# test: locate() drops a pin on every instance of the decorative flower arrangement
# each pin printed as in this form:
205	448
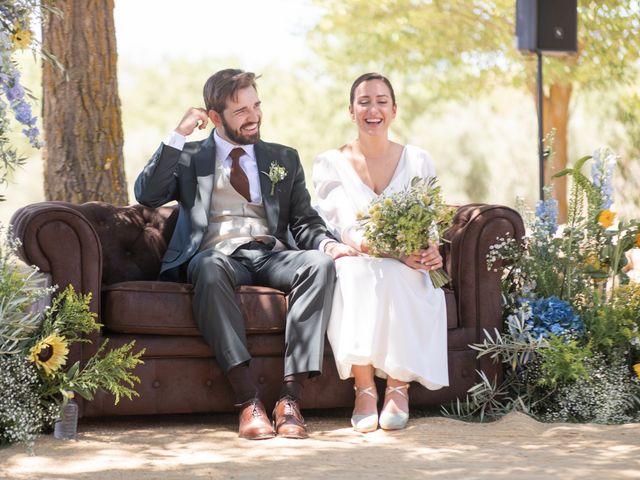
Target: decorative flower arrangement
571	344
35	380
276	174
404	222
15	34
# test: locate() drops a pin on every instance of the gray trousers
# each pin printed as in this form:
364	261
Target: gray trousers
307	276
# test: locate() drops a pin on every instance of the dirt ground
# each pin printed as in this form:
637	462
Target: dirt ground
207	447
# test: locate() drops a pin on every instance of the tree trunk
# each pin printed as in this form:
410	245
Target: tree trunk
556	116
83	158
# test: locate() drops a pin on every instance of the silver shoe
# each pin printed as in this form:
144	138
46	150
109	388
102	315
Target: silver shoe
369	421
396	420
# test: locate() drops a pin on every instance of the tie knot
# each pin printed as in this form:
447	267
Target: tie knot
236	153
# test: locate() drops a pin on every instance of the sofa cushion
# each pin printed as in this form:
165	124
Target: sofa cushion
164	308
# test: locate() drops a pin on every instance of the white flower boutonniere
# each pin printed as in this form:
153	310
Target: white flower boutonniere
276	174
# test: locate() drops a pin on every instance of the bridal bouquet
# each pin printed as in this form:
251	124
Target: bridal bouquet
404	222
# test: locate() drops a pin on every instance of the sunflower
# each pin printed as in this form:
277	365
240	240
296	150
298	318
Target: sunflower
21	38
50	353
636	368
605	218
638	240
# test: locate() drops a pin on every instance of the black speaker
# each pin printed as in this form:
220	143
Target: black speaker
547	26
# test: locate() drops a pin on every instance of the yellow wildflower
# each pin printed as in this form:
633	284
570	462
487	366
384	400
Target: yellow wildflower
636	368
605	218
593	261
21	38
50	354
388	202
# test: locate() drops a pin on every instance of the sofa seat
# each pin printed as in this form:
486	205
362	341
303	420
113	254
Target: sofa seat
164	308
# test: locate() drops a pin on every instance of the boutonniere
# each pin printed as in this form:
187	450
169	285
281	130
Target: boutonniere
276	174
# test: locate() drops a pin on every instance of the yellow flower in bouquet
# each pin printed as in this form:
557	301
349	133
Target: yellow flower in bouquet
606	218
636	368
50	354
21	38
638	240
405	222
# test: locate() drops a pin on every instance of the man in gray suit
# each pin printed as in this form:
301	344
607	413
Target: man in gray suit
238	198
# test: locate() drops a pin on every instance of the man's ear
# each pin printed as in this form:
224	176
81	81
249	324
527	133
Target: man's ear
215	118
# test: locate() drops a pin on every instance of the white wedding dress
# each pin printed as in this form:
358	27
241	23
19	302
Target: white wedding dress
384	313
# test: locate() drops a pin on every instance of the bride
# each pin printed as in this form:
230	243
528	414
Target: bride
387	319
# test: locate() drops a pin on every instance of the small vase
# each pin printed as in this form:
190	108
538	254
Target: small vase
67	427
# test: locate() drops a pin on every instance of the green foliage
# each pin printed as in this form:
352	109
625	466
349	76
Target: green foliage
562	361
461	46
110	371
34	350
21	287
572	330
70	316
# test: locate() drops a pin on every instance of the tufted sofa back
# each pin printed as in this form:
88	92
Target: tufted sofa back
133	238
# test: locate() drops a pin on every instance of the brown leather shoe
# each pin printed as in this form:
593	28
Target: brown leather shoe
288	419
254	423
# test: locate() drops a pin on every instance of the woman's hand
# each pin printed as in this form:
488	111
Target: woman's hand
425	259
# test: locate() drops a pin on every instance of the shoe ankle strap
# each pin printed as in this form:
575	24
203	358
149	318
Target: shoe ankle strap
402	390
371	391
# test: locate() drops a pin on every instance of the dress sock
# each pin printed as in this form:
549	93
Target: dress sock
244	388
292	386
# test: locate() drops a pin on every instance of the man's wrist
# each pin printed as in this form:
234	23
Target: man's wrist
175	140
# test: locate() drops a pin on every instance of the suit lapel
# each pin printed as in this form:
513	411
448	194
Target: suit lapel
204	163
270	202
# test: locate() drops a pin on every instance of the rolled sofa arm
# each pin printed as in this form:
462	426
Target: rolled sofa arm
60	241
477	289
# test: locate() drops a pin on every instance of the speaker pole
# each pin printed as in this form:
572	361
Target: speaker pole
540	131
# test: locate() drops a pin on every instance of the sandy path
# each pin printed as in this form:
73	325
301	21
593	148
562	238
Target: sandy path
207	447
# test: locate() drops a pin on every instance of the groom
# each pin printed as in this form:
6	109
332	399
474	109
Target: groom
238	198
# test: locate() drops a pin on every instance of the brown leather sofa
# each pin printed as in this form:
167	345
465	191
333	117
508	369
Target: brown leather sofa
114	253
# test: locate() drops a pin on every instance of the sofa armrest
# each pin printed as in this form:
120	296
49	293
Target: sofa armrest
477	289
61	242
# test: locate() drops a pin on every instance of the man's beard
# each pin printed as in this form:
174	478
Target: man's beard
237	137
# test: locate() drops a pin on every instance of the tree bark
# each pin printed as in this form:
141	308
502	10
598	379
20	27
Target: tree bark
83	157
556	116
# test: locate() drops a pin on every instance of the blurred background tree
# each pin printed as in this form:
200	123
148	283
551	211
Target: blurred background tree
83	157
483	140
460	48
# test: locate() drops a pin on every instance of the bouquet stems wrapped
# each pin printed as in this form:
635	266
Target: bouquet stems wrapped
405	222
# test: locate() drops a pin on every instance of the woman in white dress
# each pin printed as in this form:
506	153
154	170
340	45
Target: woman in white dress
387	319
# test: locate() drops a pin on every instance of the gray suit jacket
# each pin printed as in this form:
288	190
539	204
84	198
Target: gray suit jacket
187	176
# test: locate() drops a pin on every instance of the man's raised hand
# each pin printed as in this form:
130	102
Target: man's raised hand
195	117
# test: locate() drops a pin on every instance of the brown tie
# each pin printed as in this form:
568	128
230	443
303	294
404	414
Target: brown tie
239	179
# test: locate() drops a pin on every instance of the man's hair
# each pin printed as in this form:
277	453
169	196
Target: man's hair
224	85
366	77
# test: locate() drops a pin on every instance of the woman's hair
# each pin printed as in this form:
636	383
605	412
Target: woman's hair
370	76
224	85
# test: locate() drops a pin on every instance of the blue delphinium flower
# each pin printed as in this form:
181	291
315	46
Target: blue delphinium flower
551	315
14	92
604	162
547	216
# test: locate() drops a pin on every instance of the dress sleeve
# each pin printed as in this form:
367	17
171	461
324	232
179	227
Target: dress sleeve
334	203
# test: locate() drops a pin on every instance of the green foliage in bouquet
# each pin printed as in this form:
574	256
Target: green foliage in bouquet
34	345
405	222
571	345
